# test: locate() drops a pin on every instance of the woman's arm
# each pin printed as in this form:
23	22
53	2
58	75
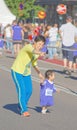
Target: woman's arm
39	53
39	73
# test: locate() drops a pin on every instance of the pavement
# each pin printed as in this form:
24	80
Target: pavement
62	116
58	61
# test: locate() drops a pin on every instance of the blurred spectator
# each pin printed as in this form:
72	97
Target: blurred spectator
25	31
8	37
52	51
1	30
68	32
17	35
75	55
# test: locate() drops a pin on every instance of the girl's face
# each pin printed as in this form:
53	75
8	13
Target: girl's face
39	45
52	77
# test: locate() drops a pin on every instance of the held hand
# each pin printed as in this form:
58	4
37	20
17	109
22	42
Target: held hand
42	53
39	52
41	78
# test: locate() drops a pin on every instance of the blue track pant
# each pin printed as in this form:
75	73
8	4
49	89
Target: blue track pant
24	89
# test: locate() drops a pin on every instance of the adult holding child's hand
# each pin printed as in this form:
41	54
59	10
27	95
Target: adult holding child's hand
21	72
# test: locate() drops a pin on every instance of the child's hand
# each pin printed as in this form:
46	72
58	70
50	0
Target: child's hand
58	90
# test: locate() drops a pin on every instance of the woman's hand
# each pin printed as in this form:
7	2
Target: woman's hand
42	53
41	78
39	74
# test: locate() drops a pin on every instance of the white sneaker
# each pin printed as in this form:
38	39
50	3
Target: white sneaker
44	111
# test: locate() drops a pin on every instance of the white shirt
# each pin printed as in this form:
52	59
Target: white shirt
8	32
53	34
68	34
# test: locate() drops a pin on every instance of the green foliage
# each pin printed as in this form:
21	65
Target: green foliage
29	10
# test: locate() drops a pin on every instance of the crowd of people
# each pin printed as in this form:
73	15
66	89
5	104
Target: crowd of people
15	36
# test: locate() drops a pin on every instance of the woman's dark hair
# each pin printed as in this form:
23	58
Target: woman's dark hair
39	38
48	73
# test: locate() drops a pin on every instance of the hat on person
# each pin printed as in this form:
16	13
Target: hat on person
69	17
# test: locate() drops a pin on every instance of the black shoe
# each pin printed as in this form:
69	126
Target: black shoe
68	72
65	70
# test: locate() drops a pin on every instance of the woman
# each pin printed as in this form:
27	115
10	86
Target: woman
21	71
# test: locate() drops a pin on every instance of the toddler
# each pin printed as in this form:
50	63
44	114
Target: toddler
46	91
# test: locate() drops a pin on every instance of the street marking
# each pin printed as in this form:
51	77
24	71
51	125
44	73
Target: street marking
5	69
50	63
63	89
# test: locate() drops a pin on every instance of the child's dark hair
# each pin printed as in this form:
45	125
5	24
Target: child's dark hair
48	73
39	38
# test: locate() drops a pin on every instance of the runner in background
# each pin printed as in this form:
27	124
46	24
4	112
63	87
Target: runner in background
68	32
75	56
8	38
17	36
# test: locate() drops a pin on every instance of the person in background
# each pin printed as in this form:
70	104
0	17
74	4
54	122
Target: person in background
8	37
1	30
25	31
75	55
21	72
52	51
67	32
47	88
17	36
45	49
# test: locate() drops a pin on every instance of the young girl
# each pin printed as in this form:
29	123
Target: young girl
47	90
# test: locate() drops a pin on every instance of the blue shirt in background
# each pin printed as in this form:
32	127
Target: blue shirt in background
17	34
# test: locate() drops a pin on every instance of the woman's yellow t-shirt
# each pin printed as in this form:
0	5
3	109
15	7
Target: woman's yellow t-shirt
25	58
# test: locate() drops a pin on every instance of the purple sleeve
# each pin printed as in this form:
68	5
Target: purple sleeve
54	88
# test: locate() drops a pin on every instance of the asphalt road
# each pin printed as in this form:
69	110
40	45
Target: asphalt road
62	116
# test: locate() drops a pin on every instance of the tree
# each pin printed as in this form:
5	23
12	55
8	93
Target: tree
29	8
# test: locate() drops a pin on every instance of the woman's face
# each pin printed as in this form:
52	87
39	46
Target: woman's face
39	45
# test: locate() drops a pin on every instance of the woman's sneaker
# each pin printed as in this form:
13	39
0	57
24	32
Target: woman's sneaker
26	114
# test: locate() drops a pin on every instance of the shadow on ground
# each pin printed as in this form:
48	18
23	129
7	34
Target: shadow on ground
38	109
12	107
58	71
72	76
10	57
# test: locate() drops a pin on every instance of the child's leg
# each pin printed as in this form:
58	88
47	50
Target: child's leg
44	108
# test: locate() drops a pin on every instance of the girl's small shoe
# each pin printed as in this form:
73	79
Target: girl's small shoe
26	114
44	111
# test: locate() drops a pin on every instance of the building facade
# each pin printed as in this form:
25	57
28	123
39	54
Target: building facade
52	15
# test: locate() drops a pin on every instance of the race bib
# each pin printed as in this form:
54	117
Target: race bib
48	92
